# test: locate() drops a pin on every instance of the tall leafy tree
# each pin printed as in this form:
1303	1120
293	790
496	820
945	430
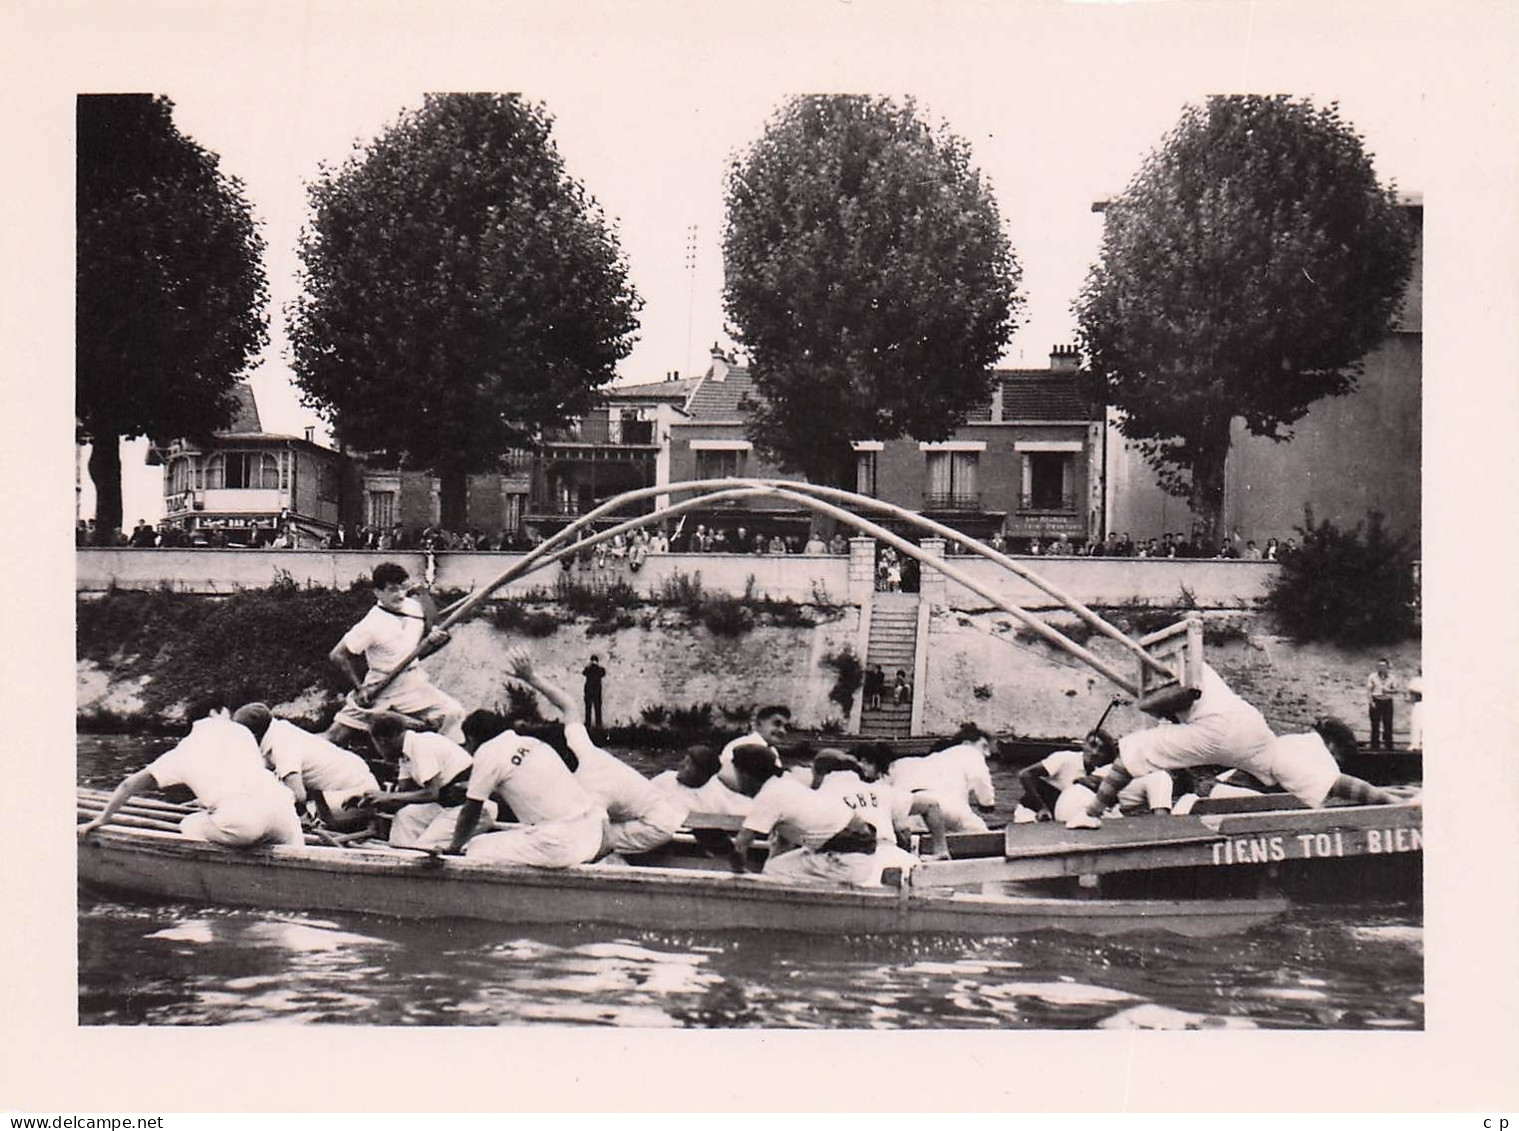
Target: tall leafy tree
170	287
868	278
1246	270
460	291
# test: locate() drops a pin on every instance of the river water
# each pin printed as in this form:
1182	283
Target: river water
1356	965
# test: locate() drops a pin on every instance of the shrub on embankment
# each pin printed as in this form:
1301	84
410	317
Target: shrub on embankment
268	644
173	653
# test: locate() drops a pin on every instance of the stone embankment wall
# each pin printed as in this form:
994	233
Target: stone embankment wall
1207	584
982	669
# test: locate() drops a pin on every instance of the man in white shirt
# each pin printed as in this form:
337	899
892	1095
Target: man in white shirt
954	777
431	776
388	634
770	725
694	784
835	844
642	817
887	810
220	762
560	823
311	767
1219	728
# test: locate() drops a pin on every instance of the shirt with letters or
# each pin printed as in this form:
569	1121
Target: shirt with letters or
531	778
384	638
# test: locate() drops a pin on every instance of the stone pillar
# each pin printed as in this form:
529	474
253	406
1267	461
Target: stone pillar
862	570
931	584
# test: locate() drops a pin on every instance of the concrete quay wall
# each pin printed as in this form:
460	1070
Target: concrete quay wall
1207	584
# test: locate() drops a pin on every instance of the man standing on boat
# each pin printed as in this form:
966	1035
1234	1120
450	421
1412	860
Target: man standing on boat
560	822
389	633
954	777
311	767
431	777
836	843
220	762
1381	690
642	817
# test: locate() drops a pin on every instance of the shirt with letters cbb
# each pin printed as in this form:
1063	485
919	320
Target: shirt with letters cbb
803	815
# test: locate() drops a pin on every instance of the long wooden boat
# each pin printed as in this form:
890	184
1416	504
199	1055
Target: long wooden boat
141	854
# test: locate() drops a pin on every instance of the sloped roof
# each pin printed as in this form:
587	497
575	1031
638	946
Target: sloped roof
245	418
719	400
661	390
1039	394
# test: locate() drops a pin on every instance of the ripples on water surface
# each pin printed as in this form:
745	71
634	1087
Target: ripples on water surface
175	964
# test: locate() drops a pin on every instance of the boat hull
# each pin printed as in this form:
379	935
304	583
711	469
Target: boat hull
389	883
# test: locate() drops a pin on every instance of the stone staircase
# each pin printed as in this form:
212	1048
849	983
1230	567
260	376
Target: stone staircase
894	645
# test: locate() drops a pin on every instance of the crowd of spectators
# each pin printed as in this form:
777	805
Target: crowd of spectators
690	539
1170	545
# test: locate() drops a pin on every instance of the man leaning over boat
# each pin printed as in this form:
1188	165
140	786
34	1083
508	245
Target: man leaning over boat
432	775
834	843
642	816
219	760
314	770
560	822
1220	728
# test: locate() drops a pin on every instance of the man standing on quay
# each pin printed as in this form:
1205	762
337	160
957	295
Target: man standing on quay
1381	688
594	673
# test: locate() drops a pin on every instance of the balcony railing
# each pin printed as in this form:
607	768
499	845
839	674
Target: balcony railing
952	501
1050	502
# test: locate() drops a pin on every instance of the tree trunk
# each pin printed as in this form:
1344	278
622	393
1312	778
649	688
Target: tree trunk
453	500
105	473
1208	481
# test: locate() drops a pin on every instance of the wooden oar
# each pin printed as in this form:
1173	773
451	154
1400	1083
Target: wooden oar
127	820
132	815
142	802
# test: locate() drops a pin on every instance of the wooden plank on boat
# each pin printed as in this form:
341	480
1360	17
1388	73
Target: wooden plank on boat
1315	820
1158	843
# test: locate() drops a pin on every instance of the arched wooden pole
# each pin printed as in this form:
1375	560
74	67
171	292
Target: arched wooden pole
814	497
552	549
880	533
865	502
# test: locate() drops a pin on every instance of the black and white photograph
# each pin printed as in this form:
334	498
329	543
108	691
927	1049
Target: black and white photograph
935	521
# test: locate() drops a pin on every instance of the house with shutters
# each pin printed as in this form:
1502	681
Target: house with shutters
243	485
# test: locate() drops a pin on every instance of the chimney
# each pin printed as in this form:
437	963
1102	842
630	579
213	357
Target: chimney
719	363
1065	359
310	434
